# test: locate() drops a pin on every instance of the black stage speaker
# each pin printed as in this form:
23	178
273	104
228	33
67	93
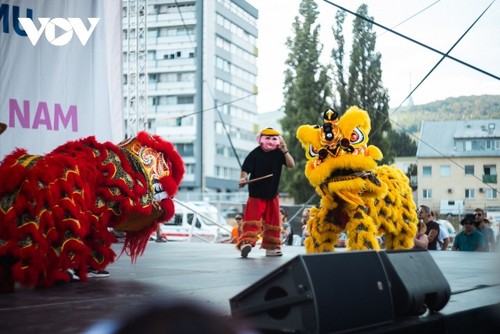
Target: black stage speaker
416	281
319	293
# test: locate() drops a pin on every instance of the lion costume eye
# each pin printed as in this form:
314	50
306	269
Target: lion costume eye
356	136
312	152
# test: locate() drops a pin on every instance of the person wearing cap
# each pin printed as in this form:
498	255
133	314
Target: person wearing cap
261	170
469	239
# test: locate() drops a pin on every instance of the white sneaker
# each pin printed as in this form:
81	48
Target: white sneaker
91	273
245	249
274	252
73	277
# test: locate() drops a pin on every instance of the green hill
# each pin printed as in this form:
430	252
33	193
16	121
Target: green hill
453	108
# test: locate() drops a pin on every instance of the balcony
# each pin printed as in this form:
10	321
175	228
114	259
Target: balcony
489	178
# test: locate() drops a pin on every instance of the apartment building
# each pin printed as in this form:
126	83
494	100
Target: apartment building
458	165
201	86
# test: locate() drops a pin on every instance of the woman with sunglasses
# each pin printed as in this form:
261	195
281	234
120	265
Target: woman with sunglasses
236	231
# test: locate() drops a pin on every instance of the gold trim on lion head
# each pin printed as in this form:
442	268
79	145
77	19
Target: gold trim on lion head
338	148
153	162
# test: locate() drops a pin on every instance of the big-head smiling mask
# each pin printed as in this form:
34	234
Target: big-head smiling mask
269	139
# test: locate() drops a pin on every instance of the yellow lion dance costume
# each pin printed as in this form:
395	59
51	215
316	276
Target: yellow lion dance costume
357	196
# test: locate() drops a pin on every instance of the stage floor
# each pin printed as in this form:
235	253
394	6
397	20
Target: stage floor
209	274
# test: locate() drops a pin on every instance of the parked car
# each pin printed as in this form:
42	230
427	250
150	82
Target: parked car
195	221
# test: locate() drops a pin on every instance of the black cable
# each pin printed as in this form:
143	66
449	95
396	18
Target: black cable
409	18
434	67
444	56
184	24
477	287
213	98
225	129
313	196
207	109
413	40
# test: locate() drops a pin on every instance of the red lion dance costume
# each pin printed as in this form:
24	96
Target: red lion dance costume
56	210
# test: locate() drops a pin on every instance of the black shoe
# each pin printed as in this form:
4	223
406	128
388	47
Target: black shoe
245	249
161	240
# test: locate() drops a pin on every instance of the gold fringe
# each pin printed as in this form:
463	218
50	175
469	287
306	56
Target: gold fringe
392	214
250	237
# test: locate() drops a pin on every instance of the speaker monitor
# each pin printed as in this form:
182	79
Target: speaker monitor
319	293
416	281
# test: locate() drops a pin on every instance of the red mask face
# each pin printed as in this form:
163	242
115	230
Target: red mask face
269	143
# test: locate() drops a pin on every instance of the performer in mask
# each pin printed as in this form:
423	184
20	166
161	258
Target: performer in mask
262	212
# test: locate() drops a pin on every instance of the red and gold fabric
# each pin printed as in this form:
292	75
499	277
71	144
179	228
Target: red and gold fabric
56	210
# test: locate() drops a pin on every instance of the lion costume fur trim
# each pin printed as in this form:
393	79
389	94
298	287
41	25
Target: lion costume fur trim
357	196
254	231
56	210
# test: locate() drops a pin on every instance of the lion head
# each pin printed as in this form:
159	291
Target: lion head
163	168
337	152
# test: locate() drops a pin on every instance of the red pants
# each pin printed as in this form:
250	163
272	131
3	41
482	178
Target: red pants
262	216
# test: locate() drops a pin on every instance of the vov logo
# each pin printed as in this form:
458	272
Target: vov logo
50	26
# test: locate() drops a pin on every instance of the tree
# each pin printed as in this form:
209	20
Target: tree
363	86
306	90
401	144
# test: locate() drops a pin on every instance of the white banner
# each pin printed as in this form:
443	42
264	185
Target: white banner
60	73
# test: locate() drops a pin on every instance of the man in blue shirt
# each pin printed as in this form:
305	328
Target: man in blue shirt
469	239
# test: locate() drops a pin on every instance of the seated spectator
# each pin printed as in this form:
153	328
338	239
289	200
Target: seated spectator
443	236
424	214
236	231
286	229
421	241
469	239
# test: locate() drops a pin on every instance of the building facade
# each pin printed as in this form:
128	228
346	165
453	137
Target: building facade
201	86
457	165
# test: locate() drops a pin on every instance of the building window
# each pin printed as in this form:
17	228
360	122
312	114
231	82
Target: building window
168	100
219	149
189	168
445	170
468	145
153	78
470	193
188	99
185	149
427	170
469	169
427	193
491	193
490	169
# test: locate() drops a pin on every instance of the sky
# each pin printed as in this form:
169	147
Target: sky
404	63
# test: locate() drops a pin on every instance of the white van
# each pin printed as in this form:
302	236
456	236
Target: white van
195	221
451	207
